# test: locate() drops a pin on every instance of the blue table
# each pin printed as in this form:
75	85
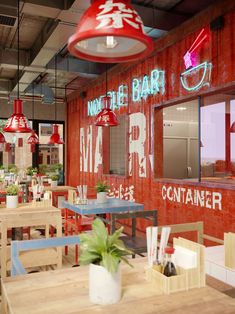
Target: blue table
113	205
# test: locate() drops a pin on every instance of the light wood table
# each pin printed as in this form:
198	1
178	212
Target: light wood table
27	215
66	291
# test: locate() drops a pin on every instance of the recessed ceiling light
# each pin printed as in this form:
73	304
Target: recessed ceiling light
181	108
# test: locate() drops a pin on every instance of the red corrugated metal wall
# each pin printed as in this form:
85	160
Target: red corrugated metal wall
220	50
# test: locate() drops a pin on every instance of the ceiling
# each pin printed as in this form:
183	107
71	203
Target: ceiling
45	27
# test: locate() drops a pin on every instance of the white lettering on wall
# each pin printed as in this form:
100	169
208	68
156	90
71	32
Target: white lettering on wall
98	150
126	193
208	199
137	138
86	149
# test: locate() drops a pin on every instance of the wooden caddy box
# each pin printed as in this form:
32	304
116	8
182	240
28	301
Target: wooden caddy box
186	278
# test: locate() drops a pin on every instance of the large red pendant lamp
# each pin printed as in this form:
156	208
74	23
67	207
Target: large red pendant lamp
17	123
110	31
55	137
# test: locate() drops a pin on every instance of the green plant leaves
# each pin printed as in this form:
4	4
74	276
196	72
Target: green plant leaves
102	248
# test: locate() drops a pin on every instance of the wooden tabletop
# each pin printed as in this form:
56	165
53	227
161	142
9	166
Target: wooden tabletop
59	188
66	291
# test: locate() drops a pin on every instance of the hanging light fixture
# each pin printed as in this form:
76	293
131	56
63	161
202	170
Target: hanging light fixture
33	138
110	31
106	117
232	128
18	123
55	137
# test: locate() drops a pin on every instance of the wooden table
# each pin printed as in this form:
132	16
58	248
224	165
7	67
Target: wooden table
66	292
25	216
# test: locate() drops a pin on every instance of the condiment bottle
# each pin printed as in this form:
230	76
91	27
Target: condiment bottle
169	268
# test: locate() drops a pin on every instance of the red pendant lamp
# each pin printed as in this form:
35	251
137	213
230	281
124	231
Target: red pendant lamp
18	123
110	31
106	117
55	137
33	138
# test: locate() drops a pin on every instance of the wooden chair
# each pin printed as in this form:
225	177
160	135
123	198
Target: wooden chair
137	244
17	267
75	224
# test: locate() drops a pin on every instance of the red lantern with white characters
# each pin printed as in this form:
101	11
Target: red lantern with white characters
33	139
106	117
110	31
17	123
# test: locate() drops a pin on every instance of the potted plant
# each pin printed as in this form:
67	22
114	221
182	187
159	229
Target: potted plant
2	170
29	173
102	189
104	253
12	196
54	179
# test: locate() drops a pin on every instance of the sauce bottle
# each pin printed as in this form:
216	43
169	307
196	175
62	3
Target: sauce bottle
169	268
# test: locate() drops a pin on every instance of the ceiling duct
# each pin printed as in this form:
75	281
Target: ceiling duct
42	90
7	20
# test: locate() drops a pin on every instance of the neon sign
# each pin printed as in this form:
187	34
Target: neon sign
205	67
193	69
141	89
149	85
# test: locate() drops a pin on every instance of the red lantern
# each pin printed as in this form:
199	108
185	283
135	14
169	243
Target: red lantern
110	31
7	147
2	138
55	137
33	139
106	117
32	148
20	142
17	123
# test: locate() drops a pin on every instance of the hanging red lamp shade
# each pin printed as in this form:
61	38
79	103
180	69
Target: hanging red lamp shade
17	123
55	137
110	31
232	128
2	138
106	117
33	138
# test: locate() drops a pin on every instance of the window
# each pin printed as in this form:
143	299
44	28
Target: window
176	141
114	148
218	138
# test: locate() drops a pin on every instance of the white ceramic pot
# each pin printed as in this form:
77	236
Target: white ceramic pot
54	183
104	287
29	178
12	201
101	197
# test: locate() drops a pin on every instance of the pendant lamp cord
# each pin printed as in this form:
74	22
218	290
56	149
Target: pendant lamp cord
106	78
33	100
55	84
18	49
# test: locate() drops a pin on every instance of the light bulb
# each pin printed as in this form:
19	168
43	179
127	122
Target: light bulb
111	42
